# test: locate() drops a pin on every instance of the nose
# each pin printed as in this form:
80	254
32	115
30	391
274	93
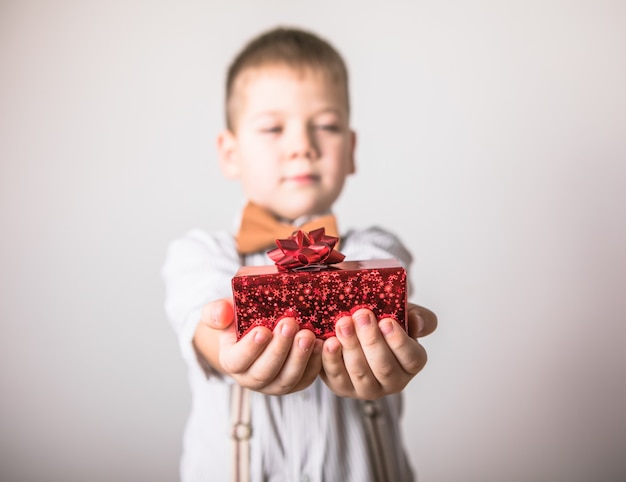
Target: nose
302	144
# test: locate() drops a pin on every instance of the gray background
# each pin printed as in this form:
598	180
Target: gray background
492	140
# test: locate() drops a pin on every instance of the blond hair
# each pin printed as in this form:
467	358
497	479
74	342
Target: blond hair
293	48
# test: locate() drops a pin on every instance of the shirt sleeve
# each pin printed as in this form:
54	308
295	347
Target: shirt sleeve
198	268
376	243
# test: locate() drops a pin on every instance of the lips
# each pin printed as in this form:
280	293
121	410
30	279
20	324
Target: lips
302	179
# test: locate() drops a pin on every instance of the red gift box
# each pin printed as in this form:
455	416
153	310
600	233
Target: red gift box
317	297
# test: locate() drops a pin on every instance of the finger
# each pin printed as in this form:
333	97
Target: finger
408	353
357	365
421	321
270	362
382	362
218	314
294	364
237	356
314	367
334	369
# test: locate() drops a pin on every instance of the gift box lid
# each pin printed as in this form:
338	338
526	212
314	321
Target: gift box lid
251	271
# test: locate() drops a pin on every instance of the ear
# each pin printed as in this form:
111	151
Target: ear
352	160
227	152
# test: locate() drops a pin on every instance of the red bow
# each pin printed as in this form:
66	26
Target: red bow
305	250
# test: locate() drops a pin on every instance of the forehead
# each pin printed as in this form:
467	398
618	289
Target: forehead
276	86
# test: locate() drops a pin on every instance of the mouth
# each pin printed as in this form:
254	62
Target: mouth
302	179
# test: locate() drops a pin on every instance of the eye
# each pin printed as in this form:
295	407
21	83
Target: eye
331	127
271	129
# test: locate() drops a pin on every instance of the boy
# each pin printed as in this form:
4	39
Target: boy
323	411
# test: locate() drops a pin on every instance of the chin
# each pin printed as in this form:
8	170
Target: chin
298	207
309	210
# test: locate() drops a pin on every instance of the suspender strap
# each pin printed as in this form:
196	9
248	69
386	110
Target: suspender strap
240	413
371	412
241	432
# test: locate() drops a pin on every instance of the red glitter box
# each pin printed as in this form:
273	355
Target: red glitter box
317	299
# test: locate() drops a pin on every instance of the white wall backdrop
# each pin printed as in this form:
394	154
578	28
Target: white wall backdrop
492	139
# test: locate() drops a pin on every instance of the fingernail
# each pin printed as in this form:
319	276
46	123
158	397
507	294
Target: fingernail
331	347
419	319
260	337
212	318
420	324
288	330
305	343
363	319
387	327
346	329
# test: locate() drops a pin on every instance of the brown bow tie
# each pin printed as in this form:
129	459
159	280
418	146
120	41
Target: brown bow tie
259	230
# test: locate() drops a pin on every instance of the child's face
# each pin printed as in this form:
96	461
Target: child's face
292	146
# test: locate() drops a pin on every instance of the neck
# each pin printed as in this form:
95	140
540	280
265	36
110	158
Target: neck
299	221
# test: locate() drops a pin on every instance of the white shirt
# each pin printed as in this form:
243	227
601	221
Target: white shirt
310	435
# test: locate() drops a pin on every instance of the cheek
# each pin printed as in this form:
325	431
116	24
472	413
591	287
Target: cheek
338	148
340	160
259	151
259	175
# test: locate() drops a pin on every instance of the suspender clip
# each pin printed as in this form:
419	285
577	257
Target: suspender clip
241	431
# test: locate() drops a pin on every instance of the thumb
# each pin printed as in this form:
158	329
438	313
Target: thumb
218	314
421	321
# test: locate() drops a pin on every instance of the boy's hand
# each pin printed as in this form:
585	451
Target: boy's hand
369	359
275	363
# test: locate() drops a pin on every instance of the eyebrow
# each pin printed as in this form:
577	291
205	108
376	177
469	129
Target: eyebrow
329	110
266	113
324	110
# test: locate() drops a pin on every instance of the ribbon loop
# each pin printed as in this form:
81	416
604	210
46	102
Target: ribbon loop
302	249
